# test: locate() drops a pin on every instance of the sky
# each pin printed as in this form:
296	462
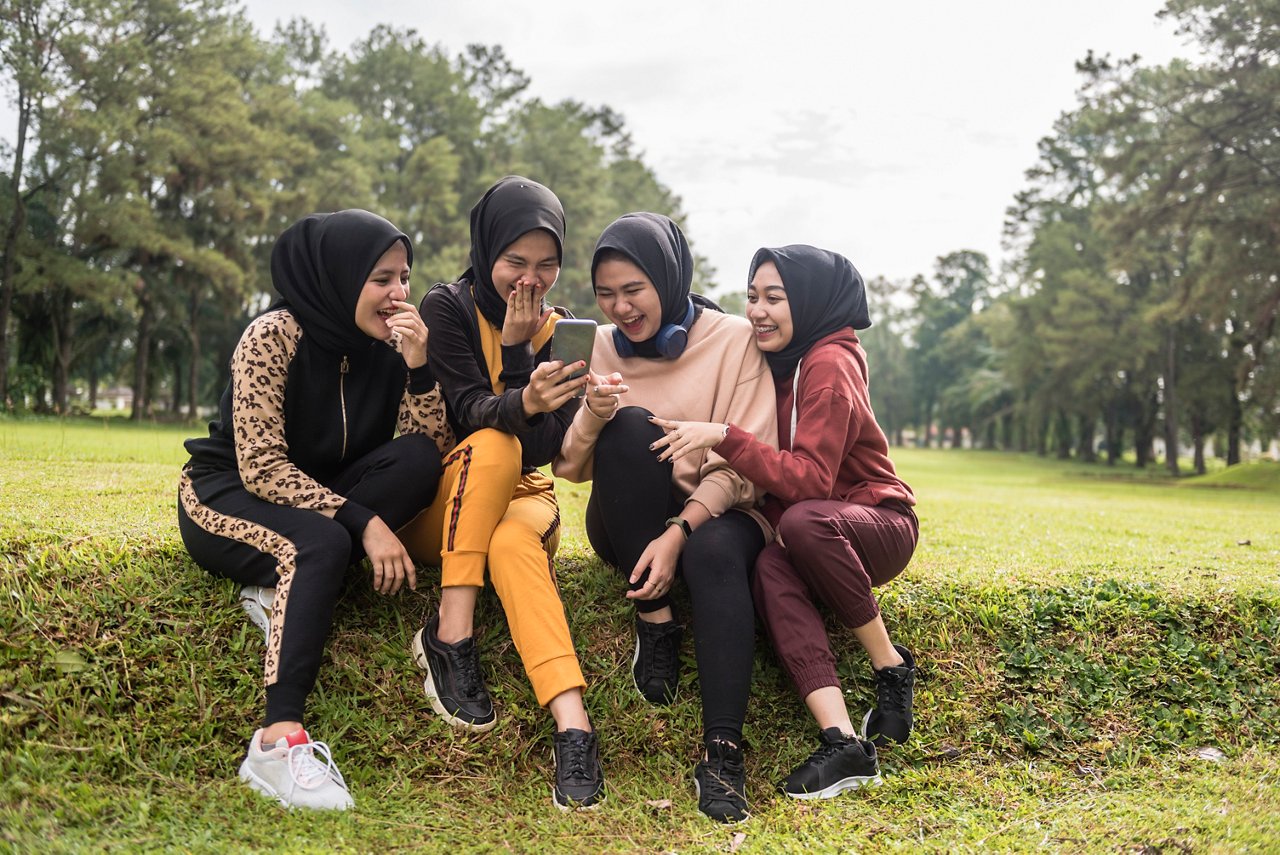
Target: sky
892	133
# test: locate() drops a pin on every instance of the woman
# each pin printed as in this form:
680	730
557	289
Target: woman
651	519
300	477
510	405
844	518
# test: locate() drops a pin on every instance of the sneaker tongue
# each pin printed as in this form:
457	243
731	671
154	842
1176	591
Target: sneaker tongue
833	736
298	737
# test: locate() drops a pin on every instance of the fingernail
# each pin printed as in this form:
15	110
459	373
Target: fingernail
651	446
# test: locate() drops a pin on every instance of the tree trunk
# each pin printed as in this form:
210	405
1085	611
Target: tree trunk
1084	448
1171	402
1114	434
93	385
175	401
1064	436
9	270
1197	443
193	368
62	353
1234	426
142	355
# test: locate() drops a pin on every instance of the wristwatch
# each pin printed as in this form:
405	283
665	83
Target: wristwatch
683	523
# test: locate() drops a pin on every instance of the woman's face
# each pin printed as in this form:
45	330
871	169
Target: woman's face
628	299
530	260
768	309
387	282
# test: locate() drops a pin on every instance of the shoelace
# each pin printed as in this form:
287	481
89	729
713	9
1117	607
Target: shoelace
663	653
466	663
719	787
891	691
573	759
824	752
306	771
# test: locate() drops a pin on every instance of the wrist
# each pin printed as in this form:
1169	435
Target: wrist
681	525
525	404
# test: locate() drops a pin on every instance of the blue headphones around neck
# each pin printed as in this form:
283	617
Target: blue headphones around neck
670	340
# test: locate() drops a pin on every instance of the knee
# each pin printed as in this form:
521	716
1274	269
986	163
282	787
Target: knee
802	524
629	432
516	549
324	551
415	456
494	455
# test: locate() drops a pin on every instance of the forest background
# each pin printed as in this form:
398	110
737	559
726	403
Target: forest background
162	145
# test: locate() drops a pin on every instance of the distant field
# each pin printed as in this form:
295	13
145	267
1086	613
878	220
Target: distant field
1083	636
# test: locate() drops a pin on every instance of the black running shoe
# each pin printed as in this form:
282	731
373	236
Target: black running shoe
895	688
721	782
656	664
453	682
840	763
579	776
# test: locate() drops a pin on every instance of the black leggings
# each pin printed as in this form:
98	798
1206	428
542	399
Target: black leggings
631	497
232	533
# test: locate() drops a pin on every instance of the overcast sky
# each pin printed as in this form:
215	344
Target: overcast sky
893	133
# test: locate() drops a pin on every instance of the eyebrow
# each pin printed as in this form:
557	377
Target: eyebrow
515	256
390	271
630	284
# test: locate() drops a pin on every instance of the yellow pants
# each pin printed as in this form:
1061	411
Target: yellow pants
485	512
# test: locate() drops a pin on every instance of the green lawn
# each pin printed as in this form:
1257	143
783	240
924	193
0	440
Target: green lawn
1082	633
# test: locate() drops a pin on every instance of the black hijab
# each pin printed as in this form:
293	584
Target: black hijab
655	244
825	294
319	266
509	209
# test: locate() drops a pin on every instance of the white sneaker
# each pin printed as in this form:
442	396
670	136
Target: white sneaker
291	774
256	602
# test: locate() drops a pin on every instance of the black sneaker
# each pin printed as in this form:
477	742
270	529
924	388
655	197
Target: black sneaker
453	682
891	718
579	777
656	664
721	782
840	763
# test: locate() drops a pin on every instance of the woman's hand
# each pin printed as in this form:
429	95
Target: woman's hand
686	437
525	315
550	388
392	565
407	325
659	558
602	394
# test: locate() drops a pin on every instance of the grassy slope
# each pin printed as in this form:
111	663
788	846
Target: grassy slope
1081	638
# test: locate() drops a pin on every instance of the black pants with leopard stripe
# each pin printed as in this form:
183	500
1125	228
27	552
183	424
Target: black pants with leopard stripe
304	555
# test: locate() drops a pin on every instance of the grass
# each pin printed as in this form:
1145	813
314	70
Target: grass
1082	639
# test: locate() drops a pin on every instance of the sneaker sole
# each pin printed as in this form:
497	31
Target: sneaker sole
635	657
851	783
260	786
420	657
881	739
697	790
257	616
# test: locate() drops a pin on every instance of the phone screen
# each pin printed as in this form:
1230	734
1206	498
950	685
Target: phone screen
573	341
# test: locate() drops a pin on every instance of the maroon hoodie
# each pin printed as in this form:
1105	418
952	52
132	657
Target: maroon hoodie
838	451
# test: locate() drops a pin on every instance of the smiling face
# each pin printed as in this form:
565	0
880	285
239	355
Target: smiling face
532	259
387	282
628	299
768	309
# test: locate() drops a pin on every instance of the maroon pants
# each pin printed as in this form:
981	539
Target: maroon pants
834	553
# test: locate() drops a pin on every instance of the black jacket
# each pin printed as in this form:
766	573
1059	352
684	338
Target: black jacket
457	361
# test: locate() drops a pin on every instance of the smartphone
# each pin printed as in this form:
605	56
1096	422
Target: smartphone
573	340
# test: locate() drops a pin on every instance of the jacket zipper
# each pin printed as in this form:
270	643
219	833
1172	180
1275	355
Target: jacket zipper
342	399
